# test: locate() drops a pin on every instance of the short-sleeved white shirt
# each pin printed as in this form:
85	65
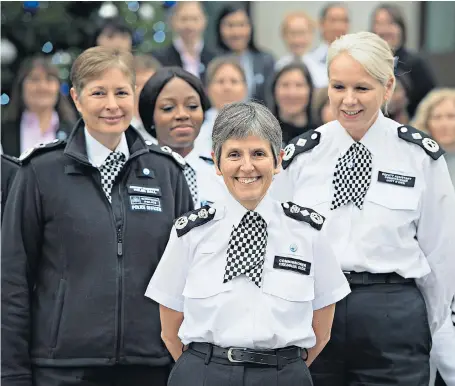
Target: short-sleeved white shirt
189	279
407	224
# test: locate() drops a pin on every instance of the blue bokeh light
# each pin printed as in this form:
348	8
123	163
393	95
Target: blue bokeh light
133	6
47	47
159	36
159	26
65	88
31	5
4	99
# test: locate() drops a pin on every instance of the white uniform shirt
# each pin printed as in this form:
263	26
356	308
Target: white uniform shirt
210	186
317	69
97	152
189	279
203	142
407	230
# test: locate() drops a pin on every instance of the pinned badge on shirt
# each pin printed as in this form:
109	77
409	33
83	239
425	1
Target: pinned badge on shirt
293	247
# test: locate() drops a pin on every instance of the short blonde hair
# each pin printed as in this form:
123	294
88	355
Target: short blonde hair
96	60
371	51
297	14
426	106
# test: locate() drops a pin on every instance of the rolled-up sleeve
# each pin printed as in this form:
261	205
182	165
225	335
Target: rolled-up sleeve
330	284
168	281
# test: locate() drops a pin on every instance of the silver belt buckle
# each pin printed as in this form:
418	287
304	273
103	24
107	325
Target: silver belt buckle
229	354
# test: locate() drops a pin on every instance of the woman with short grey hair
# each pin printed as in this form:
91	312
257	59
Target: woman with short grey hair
247	286
390	207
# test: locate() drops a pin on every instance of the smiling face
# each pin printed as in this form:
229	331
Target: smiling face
235	30
106	104
335	24
355	96
387	28
298	35
189	21
178	115
247	166
292	93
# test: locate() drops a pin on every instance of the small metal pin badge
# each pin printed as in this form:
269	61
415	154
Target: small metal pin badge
293	247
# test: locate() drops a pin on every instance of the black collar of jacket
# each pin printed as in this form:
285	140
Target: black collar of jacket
76	146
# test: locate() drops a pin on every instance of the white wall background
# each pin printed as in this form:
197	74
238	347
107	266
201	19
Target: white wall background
267	17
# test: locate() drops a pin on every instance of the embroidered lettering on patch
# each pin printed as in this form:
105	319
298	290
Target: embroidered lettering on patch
288	263
145	204
148	191
396	179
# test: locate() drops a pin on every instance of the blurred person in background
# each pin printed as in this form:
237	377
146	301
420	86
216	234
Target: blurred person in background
188	49
114	33
172	106
292	93
145	66
38	112
389	23
235	36
436	116
322	113
226	83
85	225
397	107
297	31
333	23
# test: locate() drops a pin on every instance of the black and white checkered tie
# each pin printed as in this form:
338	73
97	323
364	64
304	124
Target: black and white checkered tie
352	176
109	171
246	251
190	176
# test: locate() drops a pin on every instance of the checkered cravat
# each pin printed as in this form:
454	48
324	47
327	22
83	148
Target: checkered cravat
246	251
109	171
352	176
190	176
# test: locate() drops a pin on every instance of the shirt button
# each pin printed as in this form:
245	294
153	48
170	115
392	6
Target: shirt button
148	143
146	171
211	210
404	129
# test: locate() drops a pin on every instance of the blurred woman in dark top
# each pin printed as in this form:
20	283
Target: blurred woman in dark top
388	22
397	108
322	112
292	93
38	112
235	36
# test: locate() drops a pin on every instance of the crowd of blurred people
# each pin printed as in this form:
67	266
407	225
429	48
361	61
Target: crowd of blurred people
190	82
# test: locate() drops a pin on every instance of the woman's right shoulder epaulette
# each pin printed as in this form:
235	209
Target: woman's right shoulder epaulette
422	139
194	219
301	144
167	151
28	154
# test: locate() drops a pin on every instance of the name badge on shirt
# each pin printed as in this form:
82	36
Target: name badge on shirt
290	264
145	190
145	204
396	179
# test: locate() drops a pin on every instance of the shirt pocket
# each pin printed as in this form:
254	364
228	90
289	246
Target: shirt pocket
205	277
287	284
394	197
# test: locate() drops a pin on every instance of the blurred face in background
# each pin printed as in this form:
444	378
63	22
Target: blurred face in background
326	113
235	31
298	35
40	90
441	123
189	21
399	100
227	86
178	115
335	24
292	93
121	41
386	28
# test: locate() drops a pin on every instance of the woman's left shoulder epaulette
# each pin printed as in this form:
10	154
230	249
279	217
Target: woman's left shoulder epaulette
301	144
411	134
301	213
194	219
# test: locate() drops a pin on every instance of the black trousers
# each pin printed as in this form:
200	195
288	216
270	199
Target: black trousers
191	370
380	336
121	375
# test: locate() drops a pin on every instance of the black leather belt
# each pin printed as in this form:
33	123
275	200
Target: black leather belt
238	355
366	278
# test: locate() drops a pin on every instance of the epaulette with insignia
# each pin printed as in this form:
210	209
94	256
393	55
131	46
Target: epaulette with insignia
300	144
300	213
411	134
194	219
12	159
169	152
39	149
209	160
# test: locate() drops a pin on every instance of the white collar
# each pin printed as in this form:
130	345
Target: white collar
97	152
235	211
